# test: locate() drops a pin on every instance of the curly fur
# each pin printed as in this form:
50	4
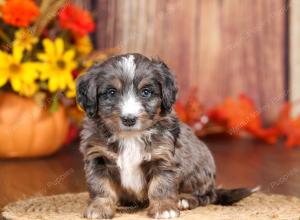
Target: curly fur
157	161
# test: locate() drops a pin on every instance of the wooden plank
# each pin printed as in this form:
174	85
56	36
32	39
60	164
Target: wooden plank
294	41
83	3
222	47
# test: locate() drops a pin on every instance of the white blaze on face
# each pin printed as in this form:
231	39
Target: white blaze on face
130	105
128	65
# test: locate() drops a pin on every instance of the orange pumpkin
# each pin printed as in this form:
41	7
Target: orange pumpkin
29	130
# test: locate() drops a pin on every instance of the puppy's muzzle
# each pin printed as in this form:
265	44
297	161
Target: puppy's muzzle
129	121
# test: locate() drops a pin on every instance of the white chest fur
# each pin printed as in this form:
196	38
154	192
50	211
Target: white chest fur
131	155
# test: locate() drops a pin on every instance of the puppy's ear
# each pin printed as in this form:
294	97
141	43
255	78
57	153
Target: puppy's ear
168	87
86	94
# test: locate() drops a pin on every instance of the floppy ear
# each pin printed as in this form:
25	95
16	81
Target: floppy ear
86	94
168	88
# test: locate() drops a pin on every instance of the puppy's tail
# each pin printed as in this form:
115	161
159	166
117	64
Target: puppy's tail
230	196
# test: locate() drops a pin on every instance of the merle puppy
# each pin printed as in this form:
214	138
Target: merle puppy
135	149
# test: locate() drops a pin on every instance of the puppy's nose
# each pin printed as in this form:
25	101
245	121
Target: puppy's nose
128	120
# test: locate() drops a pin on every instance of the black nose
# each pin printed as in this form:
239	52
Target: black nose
128	120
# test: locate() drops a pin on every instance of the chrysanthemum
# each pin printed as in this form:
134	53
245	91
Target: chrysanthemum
24	39
57	65
19	74
77	20
20	13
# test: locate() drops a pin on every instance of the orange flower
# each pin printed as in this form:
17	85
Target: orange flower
20	13
77	20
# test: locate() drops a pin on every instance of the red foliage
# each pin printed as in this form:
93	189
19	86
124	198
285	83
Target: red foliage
194	108
191	111
181	111
75	73
288	126
241	115
77	20
72	134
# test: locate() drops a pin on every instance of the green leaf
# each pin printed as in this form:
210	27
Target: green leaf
54	104
39	98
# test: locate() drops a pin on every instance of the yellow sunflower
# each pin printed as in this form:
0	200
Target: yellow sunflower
24	39
57	65
71	93
19	74
28	89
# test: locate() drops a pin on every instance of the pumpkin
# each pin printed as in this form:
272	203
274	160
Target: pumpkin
29	130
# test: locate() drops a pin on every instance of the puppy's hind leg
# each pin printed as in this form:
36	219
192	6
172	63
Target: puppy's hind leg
208	198
196	191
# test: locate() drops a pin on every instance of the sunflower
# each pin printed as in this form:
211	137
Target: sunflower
24	39
71	93
57	65
20	74
28	89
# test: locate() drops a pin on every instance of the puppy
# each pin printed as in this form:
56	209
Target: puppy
136	151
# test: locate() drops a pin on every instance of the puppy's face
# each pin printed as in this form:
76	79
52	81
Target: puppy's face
128	92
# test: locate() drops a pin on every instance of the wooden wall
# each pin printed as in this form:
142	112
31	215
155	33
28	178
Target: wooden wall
224	47
294	51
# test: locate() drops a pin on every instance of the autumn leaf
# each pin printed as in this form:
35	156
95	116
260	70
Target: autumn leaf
192	112
193	107
241	115
235	114
288	126
181	111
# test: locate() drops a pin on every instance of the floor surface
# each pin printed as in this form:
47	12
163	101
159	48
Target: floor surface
240	162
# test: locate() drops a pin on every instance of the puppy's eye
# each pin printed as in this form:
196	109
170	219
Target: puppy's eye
111	92
146	93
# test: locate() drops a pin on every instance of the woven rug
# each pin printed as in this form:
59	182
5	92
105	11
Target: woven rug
70	207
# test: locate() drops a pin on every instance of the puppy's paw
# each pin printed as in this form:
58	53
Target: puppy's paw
183	204
163	210
186	202
100	208
167	214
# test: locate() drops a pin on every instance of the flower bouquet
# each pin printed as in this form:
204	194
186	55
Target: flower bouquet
44	46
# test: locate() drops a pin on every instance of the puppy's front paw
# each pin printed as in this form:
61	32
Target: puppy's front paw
163	210
100	208
183	204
